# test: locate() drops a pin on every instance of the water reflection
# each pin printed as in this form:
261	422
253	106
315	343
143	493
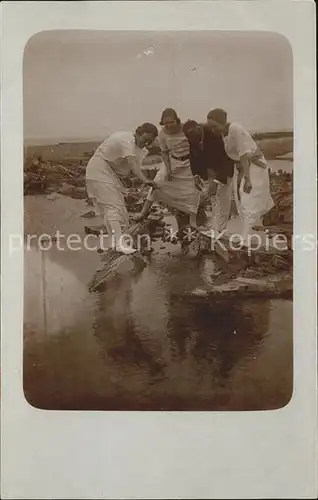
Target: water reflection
115	328
139	345
231	335
54	293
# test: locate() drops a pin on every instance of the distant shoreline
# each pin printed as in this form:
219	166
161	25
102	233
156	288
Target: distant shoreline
28	142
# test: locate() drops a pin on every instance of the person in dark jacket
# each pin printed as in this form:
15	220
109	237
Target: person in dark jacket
212	169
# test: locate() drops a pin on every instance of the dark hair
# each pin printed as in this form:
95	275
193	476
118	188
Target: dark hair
218	115
188	125
169	112
147	128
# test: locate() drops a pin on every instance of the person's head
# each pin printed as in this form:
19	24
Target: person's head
170	120
193	132
145	134
217	120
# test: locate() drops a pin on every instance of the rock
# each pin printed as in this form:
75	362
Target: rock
279	262
79	193
282	192
89	201
250	281
88	215
193	249
158	234
227	287
73	191
35	187
81	169
199	292
96	230
251	272
53	196
53	188
66	189
78	182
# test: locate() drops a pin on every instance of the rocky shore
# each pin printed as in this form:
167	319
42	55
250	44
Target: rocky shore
68	178
239	273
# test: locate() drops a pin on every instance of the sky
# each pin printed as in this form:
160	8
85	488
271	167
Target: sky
87	84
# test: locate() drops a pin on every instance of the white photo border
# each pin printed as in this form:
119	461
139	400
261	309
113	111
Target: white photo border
82	454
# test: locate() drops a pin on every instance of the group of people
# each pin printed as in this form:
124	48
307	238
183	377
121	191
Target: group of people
200	160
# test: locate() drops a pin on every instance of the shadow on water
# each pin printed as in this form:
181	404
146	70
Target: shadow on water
138	346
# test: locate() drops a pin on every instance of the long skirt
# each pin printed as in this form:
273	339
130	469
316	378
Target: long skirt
253	206
180	192
108	196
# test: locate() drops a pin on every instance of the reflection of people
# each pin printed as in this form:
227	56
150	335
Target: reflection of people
119	155
251	178
176	187
182	325
232	337
116	332
212	169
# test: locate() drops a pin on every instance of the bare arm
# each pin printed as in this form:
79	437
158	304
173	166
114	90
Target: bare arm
244	144
146	207
245	168
145	211
135	167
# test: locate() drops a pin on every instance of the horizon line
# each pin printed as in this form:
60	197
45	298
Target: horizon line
48	141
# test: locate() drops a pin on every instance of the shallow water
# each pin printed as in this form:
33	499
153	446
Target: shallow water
140	345
281	164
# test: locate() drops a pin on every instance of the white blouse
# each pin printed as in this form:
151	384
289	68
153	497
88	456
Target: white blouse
239	142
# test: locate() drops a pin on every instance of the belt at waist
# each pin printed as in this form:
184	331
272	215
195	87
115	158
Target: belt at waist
180	158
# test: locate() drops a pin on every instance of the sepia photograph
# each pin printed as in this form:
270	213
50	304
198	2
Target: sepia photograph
158	249
158	220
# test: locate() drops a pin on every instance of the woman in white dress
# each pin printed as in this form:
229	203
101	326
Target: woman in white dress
175	183
251	177
119	155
